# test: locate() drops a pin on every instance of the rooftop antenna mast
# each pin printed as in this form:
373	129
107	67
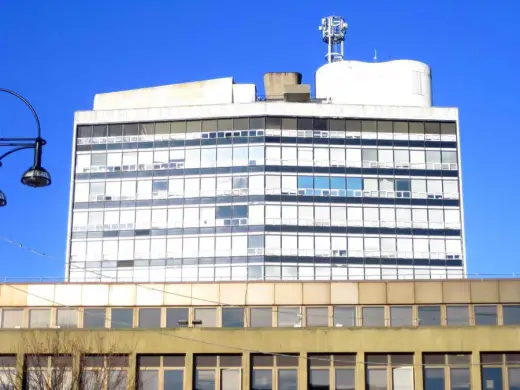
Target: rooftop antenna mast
333	30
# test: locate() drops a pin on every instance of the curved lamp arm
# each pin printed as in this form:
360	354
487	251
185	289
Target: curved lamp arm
24	100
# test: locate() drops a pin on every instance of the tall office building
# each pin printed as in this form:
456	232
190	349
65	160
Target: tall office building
207	181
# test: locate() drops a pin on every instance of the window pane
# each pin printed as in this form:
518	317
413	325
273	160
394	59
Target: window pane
401	316
207	316
205	380
39	318
12	318
289	316
287	379
261	317
429	315
345	379
485	315
262	380
117	380
94	318
232	317
433	378
173	379
457	315
511	315
344	316
492	378
149	318
459	378
122	318
230	379
319	379
373	316
149	380
175	317
376	379
67	318
514	378
402	378
317	316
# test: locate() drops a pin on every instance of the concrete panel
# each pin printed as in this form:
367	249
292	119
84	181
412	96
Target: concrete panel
233	293
205	294
428	292
244	93
275	82
484	291
456	292
344	293
122	295
288	294
149	295
15	295
177	294
260	294
316	293
68	294
372	293
400	293
509	290
41	295
95	295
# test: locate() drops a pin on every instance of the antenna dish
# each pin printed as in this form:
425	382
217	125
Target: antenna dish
333	30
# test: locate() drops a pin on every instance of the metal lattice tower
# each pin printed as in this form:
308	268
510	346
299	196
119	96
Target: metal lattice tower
333	29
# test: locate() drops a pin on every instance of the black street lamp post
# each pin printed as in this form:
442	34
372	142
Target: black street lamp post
36	176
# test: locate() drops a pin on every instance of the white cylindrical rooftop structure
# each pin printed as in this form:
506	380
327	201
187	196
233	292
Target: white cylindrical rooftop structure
391	83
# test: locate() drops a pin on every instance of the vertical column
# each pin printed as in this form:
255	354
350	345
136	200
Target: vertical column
17	379
360	371
418	370
189	374
302	371
474	371
246	371
133	373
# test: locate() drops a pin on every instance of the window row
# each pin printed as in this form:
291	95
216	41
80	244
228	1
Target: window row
254	317
179	158
270	214
269	244
301	185
272	123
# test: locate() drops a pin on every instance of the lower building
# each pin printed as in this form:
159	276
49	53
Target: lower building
397	335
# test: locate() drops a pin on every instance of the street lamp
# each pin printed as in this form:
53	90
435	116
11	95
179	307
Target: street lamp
36	176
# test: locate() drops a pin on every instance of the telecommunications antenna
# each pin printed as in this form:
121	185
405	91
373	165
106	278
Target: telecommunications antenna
333	30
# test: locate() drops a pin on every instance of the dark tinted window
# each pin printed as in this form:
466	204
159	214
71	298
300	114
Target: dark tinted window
150	318
457	315
429	315
485	315
176	316
374	316
401	316
94	318
232	317
121	318
511	315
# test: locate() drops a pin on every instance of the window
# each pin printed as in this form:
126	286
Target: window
317	316
207	316
167	370
485	314
331	371
96	369
12	318
438	368
7	372
261	317
267	369
67	318
150	318
429	315
213	372
457	315
499	369
232	317
373	316
344	316
176	317
381	367
401	316
511	314
289	317
94	318
48	370
122	318
39	318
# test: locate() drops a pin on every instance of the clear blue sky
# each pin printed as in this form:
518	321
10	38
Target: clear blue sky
60	53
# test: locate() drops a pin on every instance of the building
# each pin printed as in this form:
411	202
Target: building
205	181
400	335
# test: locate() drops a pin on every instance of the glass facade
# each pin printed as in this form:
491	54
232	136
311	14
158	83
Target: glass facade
266	198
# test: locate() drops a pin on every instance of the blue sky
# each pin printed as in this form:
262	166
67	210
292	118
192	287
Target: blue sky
60	53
